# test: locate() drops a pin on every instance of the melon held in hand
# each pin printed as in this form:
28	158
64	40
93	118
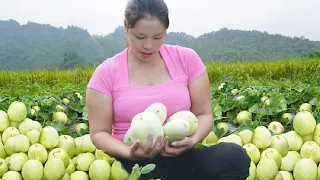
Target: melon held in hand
158	109
127	138
189	116
176	129
142	125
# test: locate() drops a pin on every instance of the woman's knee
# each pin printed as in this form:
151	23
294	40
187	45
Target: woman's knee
234	155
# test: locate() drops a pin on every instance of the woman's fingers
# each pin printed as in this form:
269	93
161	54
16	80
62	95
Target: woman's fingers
135	146
164	153
158	145
164	142
149	145
150	150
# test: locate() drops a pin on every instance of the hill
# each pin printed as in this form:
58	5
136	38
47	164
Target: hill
34	45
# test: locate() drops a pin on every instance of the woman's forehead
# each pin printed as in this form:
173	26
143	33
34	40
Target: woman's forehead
151	27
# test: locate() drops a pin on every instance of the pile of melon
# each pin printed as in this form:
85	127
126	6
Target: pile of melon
277	154
32	152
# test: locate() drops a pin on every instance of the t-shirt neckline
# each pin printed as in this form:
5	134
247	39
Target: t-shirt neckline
166	59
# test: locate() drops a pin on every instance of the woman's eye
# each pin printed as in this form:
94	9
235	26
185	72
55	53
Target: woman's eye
139	37
143	37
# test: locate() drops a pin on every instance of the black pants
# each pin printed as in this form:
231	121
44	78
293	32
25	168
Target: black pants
224	161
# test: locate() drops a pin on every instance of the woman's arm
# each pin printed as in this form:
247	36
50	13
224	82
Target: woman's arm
100	113
201	106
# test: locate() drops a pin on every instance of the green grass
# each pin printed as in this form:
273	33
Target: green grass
305	70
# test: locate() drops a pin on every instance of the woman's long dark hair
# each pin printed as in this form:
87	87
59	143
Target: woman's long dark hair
138	9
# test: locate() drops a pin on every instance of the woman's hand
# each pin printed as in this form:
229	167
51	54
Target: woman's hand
178	147
138	153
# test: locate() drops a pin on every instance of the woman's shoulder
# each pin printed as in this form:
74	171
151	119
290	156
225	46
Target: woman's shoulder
183	53
178	49
107	74
185	60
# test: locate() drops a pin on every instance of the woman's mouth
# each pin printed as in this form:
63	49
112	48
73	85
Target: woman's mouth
146	55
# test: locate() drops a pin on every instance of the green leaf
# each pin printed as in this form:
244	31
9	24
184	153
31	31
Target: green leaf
135	173
217	111
316	116
219	131
232	114
272	133
199	146
72	115
251	125
148	168
84	131
84	113
315	102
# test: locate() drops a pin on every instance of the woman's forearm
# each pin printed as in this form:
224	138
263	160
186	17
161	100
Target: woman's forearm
205	124
110	145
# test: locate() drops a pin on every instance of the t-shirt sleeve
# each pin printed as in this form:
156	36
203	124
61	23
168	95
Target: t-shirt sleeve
101	79
193	65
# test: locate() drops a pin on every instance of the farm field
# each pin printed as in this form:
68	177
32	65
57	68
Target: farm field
272	109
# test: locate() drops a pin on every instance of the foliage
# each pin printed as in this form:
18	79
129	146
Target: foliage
33	46
283	99
47	98
137	171
314	54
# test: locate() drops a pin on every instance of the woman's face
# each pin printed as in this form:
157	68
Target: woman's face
146	38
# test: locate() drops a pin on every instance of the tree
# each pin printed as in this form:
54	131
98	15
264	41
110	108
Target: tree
71	60
314	54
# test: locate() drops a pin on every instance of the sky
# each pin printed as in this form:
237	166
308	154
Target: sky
194	17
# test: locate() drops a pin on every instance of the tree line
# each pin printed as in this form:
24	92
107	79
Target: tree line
34	45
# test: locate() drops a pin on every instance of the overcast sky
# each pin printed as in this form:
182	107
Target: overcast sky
195	17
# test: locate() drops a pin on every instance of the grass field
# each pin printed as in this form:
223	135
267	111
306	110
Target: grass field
266	90
297	69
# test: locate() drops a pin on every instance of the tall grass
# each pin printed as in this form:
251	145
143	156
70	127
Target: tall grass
45	76
273	70
305	68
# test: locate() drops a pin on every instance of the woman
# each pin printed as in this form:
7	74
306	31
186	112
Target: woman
149	71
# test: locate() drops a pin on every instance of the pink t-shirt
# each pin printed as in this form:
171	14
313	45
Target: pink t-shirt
111	78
